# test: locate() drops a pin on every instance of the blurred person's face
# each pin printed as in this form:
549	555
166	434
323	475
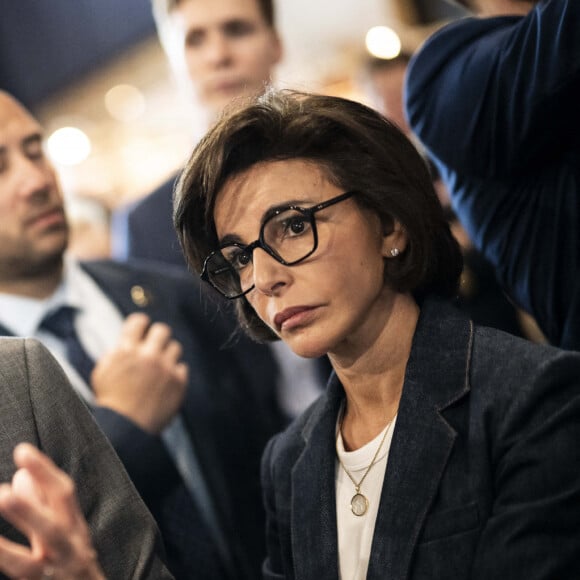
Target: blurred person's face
229	49
33	227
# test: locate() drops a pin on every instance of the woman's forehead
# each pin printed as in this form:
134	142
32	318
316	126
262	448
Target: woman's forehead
246	196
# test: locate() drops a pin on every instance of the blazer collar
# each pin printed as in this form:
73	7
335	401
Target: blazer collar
436	377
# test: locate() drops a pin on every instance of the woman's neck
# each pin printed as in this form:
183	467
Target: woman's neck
373	382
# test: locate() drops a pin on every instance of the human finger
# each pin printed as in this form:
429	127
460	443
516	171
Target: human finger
18	561
182	372
38	473
173	351
158	336
46	490
134	328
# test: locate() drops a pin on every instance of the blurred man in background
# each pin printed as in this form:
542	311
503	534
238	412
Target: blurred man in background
220	50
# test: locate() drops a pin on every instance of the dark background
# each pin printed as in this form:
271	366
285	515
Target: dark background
47	44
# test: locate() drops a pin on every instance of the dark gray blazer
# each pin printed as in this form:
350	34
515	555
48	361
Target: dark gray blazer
483	478
37	405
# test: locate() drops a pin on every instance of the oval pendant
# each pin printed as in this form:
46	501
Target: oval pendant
359	504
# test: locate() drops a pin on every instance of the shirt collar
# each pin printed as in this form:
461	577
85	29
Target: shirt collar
23	315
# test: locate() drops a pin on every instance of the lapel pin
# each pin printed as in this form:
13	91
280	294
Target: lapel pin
140	296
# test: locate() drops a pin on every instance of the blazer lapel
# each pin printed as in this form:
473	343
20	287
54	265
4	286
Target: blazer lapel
313	509
422	442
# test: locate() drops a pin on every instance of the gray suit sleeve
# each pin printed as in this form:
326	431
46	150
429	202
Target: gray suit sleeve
123	531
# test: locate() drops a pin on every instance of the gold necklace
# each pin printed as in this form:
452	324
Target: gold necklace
359	504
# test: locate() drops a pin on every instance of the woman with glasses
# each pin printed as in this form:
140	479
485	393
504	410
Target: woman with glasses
440	450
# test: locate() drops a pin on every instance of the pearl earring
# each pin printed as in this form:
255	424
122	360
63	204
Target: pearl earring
395	252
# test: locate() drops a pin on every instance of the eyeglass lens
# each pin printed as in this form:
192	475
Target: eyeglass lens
289	237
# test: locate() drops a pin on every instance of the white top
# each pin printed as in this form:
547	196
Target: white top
355	533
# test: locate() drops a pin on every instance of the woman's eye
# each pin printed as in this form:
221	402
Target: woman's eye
294	226
239	259
297	226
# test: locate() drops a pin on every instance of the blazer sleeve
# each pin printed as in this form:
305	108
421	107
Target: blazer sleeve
489	96
123	531
533	531
154	477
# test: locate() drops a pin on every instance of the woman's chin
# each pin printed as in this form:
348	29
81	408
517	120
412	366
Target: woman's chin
307	349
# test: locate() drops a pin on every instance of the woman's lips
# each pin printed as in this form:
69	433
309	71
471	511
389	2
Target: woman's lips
293	317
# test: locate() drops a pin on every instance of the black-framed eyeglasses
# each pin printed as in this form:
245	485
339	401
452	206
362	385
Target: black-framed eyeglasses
288	234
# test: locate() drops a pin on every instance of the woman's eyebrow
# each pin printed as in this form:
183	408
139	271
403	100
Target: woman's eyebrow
301	203
230	239
270	212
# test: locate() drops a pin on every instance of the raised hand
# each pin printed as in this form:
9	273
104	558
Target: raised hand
41	502
143	378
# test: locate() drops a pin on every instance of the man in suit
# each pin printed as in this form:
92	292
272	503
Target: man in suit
188	416
118	538
220	50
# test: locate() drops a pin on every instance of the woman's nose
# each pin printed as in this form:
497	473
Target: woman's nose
269	274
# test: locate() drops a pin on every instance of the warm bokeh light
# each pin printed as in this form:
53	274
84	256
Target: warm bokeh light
383	42
125	103
68	146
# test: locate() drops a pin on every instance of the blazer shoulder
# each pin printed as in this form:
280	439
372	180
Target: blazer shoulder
503	353
155	204
105	272
18	355
509	373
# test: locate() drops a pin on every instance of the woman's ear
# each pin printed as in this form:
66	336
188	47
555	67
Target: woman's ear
394	240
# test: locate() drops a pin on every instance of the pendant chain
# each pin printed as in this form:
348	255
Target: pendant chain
374	460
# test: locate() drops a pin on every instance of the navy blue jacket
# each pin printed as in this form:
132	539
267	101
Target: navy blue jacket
482	478
144	230
495	102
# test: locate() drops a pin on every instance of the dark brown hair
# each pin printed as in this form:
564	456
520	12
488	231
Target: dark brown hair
357	148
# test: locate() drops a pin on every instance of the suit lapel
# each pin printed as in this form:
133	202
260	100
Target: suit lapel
130	290
313	510
422	443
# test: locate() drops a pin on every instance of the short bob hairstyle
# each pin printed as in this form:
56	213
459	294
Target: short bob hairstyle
357	149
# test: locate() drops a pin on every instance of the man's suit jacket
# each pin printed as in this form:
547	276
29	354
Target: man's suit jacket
144	229
38	406
482	479
229	411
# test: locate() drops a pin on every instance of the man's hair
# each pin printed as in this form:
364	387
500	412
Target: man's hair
162	9
357	149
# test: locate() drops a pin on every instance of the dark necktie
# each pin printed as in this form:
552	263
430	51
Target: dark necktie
60	322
